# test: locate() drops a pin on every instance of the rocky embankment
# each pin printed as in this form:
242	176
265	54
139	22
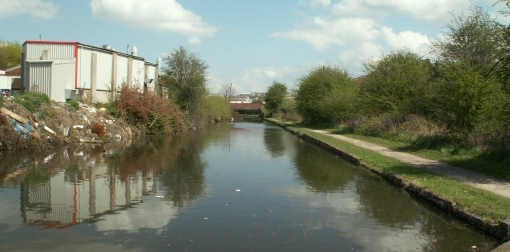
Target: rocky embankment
22	130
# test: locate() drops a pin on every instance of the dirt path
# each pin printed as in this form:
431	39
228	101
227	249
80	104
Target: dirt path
491	184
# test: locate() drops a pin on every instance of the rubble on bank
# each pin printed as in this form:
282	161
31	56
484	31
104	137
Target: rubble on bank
23	130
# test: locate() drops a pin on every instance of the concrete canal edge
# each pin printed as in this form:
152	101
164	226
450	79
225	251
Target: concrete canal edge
500	230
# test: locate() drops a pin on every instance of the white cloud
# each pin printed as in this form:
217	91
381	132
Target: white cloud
359	35
34	8
413	41
431	10
158	15
322	32
155	214
320	3
258	79
353	58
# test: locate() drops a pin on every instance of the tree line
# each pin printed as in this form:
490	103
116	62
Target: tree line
459	95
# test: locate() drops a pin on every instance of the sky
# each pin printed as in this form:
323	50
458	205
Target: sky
249	44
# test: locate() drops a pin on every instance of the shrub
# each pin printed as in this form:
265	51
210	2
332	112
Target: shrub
215	106
274	97
397	82
97	128
155	114
288	111
72	105
325	95
32	100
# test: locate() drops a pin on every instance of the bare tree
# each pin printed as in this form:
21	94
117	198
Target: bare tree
227	91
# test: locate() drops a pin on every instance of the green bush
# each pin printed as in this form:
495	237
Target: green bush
463	97
398	82
214	106
325	95
32	101
72	105
288	111
369	128
274	97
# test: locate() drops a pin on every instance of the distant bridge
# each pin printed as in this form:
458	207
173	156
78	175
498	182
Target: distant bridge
246	108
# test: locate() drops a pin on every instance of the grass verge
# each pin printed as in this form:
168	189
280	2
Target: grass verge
493	164
489	207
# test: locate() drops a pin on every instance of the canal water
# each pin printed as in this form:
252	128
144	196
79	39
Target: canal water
231	187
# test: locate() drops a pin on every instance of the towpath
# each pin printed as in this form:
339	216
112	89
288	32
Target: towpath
488	183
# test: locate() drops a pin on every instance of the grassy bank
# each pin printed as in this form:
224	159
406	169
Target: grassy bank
493	164
489	207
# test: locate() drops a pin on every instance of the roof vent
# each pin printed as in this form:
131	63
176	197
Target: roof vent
134	51
107	47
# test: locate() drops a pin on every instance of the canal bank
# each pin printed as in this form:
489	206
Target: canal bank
498	226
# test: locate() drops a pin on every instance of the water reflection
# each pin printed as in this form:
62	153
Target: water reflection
82	184
273	141
402	224
179	193
321	171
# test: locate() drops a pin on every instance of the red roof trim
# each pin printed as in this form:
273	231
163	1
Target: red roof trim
49	42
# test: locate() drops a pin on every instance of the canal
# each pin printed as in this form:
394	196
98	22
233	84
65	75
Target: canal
231	187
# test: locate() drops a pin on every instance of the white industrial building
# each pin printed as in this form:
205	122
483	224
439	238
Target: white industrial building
71	70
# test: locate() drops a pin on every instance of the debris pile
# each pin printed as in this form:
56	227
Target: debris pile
20	129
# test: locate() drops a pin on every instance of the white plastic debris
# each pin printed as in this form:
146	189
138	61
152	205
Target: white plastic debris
238	190
49	130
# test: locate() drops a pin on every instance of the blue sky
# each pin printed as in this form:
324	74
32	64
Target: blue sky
247	43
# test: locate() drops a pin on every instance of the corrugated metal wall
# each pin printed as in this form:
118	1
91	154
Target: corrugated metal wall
40	77
34	51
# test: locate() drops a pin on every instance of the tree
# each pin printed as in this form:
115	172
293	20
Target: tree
227	91
464	93
501	68
274	97
185	79
398	82
10	54
475	40
475	50
318	97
